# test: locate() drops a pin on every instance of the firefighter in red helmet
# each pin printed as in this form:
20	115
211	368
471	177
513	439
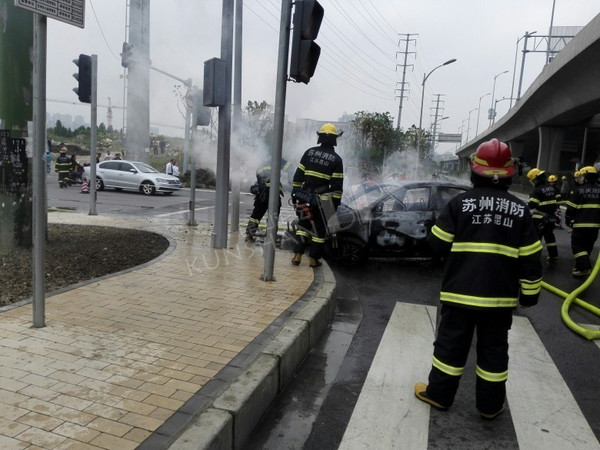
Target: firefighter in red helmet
492	265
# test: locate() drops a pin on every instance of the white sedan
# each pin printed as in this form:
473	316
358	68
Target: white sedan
133	176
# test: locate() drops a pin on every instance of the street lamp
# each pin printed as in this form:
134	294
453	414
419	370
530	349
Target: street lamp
479	112
512	88
525	51
425	76
492	110
434	131
469	122
496	105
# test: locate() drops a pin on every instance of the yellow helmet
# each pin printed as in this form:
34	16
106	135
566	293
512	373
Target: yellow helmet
587	169
563	177
534	173
552	178
577	174
328	128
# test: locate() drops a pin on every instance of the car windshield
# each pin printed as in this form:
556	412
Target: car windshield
365	194
145	168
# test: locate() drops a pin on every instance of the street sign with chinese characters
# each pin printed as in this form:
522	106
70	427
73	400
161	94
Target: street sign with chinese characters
69	11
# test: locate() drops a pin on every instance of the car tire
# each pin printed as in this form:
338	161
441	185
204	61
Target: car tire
349	250
99	184
147	188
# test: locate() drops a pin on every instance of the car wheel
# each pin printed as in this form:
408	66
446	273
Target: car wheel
348	250
147	188
99	184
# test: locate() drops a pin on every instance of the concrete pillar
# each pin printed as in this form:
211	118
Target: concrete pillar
138	82
550	145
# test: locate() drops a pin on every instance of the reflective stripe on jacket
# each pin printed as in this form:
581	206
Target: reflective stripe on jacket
583	206
493	250
321	170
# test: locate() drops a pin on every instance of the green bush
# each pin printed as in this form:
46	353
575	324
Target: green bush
205	178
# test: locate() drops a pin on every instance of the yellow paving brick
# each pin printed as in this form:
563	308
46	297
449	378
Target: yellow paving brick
127	393
38	420
110	442
77	432
137	407
140	421
109	426
105	411
38	392
137	435
40	438
11	428
70	444
69	401
163	402
10	443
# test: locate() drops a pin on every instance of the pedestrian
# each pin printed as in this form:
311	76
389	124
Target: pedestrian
98	155
118	157
76	170
62	166
543	206
169	167
583	216
318	178
48	161
493	264
175	169
108	156
261	189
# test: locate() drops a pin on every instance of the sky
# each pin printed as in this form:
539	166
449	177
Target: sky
361	64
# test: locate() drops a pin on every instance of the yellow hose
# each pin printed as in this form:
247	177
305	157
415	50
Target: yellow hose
572	298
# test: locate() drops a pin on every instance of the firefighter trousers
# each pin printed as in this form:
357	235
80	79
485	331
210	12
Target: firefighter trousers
582	243
261	205
451	349
545	230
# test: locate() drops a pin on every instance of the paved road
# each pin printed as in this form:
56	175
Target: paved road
355	389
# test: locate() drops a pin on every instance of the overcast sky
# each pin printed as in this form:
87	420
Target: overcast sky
360	65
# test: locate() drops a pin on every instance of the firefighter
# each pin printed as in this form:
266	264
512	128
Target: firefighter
63	167
260	189
320	173
543	206
493	264
583	216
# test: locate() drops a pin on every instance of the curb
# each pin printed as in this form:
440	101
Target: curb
235	412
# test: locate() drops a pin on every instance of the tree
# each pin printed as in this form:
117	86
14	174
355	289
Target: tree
258	122
375	137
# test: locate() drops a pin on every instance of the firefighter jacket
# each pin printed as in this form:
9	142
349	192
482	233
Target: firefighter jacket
263	176
583	206
543	200
321	171
63	164
492	248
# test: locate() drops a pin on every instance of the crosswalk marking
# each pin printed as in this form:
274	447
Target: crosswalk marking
545	414
386	415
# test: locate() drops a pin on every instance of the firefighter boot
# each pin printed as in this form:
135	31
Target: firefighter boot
297	259
492	416
314	262
421	394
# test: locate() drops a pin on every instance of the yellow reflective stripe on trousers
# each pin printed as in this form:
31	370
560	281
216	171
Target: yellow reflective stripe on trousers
494	377
450	370
485	247
580	254
302	233
441	234
586	225
530	287
318	240
483	302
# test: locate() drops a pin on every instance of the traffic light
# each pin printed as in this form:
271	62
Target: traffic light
126	54
84	78
308	15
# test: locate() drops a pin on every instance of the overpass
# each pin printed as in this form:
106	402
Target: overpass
556	123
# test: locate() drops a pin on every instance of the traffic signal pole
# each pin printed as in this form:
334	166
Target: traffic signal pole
39	215
280	93
93	135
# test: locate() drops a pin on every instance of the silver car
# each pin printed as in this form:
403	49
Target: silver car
133	176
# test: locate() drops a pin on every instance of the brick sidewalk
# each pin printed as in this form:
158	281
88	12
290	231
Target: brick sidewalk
120	355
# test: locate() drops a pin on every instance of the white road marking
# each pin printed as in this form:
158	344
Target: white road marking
545	414
387	415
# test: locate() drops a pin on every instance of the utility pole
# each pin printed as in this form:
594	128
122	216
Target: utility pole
403	83
438	101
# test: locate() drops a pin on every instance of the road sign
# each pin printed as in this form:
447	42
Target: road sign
449	137
189	100
69	11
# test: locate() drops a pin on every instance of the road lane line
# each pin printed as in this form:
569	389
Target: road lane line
545	414
387	415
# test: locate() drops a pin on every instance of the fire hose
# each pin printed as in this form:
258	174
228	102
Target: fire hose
572	298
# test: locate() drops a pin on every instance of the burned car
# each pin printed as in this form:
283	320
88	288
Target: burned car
387	220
